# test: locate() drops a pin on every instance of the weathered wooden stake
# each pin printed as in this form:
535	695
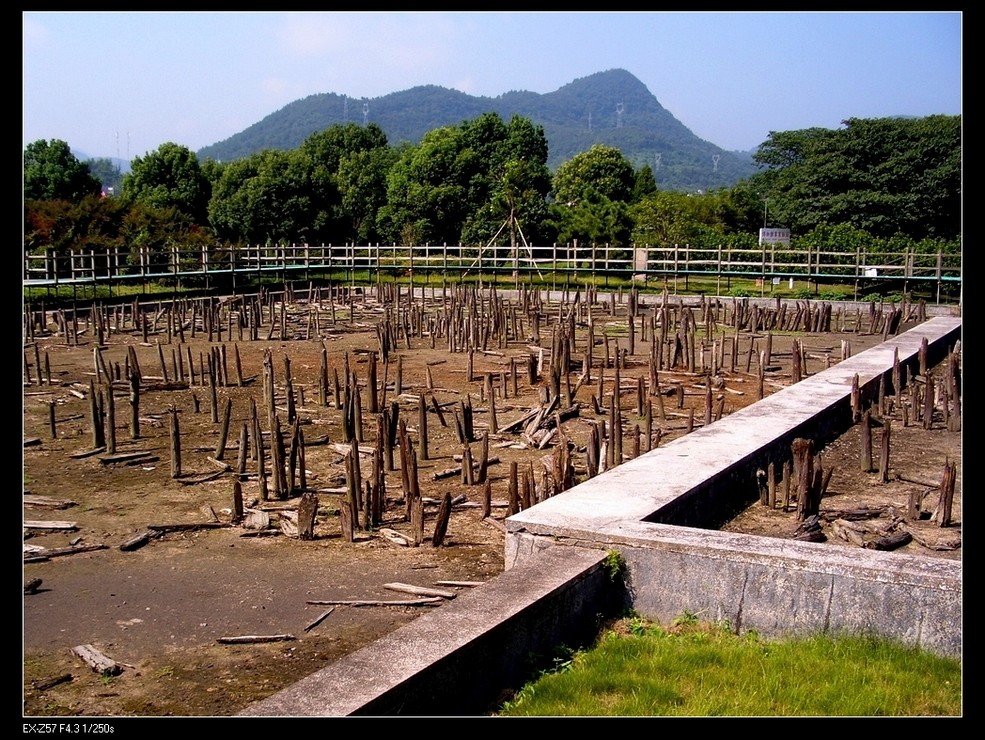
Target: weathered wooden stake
220	448
884	457
866	434
441	523
175	444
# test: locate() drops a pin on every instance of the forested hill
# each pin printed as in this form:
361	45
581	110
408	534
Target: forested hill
612	108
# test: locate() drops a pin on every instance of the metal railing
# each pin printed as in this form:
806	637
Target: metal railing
555	264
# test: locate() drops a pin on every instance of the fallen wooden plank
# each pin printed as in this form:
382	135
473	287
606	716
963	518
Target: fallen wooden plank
495	523
96	660
125	457
87	453
319	619
47	501
223	467
136	541
420	590
192	480
50	525
463	584
394	536
47	554
250	639
32	441
382	602
889	542
189	527
255	519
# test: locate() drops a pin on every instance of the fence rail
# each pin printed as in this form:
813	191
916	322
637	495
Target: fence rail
556	263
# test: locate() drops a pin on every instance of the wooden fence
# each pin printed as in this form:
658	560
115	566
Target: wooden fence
553	265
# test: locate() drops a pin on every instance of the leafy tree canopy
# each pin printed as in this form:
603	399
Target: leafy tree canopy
886	176
52	172
602	171
169	177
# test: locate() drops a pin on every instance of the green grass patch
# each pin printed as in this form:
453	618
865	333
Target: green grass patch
697	669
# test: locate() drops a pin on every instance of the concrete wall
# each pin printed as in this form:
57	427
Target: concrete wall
457	659
660	511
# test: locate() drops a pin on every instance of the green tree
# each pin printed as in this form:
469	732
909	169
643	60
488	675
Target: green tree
515	183
361	181
464	184
644	184
169	177
258	200
886	176
52	172
602	170
317	167
427	190
592	191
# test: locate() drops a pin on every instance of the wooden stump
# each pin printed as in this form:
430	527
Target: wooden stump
307	512
441	523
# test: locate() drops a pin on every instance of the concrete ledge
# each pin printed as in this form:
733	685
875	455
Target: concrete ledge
773	586
458	658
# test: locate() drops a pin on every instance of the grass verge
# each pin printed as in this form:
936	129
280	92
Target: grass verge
698	669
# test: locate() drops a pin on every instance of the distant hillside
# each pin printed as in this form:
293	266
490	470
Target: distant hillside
612	108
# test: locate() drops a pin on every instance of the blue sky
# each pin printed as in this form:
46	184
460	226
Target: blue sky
123	83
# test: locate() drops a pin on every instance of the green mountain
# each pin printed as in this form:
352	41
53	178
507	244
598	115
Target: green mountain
612	108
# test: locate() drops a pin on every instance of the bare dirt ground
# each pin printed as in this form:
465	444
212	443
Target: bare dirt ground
159	610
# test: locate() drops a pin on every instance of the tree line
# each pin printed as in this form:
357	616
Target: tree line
875	185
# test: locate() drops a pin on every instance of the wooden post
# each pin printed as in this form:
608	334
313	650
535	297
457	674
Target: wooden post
866	433
244	436
468	472
514	493
260	460
856	400
289	390
884	457
307	512
928	401
95	414
110	418
954	392
771	485
487	499
416	517
353	482
422	426
483	459
491	398
220	448
761	376
374	403
175	443
441	523
787	483
237	501
803	454
708	401
942	515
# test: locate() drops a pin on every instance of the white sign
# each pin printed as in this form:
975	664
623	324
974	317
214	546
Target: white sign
774	236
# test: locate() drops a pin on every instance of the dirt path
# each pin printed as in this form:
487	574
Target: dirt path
159	610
